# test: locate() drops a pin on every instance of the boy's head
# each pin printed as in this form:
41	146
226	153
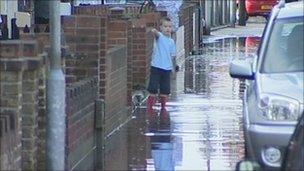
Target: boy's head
166	26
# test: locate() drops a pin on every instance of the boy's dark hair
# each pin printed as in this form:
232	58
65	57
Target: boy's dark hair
165	19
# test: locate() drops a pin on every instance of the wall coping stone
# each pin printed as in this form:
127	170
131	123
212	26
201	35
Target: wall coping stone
21	64
115	48
77	88
18	48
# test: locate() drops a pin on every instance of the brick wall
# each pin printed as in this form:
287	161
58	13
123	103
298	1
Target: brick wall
82	35
116	88
135	40
20	67
186	19
41	132
103	10
119	33
142	50
42	42
80	110
116	29
102	50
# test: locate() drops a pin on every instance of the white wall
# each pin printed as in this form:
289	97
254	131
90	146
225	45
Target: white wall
180	45
9	7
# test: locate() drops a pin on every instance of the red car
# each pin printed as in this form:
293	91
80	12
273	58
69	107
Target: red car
259	7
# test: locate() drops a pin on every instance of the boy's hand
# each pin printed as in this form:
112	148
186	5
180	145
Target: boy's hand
155	32
176	68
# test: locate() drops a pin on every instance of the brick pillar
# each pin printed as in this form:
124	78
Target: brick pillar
82	35
29	118
41	118
19	84
120	33
43	42
117	12
142	51
10	111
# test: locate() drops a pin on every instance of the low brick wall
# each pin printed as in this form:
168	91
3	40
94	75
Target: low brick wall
80	110
115	83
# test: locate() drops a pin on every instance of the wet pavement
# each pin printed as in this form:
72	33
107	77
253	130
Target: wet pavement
203	130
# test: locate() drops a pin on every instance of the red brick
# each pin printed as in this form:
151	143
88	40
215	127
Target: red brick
87	39
117	26
68	21
11	49
116	34
87	32
87	21
30	49
86	47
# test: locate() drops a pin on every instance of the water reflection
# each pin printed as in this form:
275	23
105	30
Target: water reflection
203	130
159	133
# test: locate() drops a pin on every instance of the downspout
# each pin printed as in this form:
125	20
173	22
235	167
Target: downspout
55	141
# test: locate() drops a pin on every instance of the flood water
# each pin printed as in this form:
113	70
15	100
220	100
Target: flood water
203	130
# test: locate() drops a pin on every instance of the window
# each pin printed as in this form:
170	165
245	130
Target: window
24	5
284	52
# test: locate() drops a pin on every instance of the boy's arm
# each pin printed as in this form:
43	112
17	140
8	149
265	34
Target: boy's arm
155	33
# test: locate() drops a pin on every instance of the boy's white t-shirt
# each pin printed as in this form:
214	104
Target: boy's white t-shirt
164	50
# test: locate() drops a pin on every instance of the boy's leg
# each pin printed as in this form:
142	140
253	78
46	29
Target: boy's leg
153	89
164	90
151	102
163	100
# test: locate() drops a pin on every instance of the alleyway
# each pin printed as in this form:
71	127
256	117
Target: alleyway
204	130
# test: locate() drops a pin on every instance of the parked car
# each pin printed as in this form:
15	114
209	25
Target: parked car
294	156
258	7
273	97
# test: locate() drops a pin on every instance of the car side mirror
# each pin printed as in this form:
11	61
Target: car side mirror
241	69
247	165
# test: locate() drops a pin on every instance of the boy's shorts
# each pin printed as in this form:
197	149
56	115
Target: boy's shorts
159	79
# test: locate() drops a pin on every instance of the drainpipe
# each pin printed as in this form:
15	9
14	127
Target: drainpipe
242	13
55	141
232	12
208	17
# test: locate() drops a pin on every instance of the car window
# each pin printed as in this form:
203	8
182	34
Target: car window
284	52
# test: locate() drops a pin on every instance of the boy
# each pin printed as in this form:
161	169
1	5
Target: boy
164	53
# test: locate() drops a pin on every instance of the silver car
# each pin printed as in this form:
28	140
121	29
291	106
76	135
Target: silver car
273	98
